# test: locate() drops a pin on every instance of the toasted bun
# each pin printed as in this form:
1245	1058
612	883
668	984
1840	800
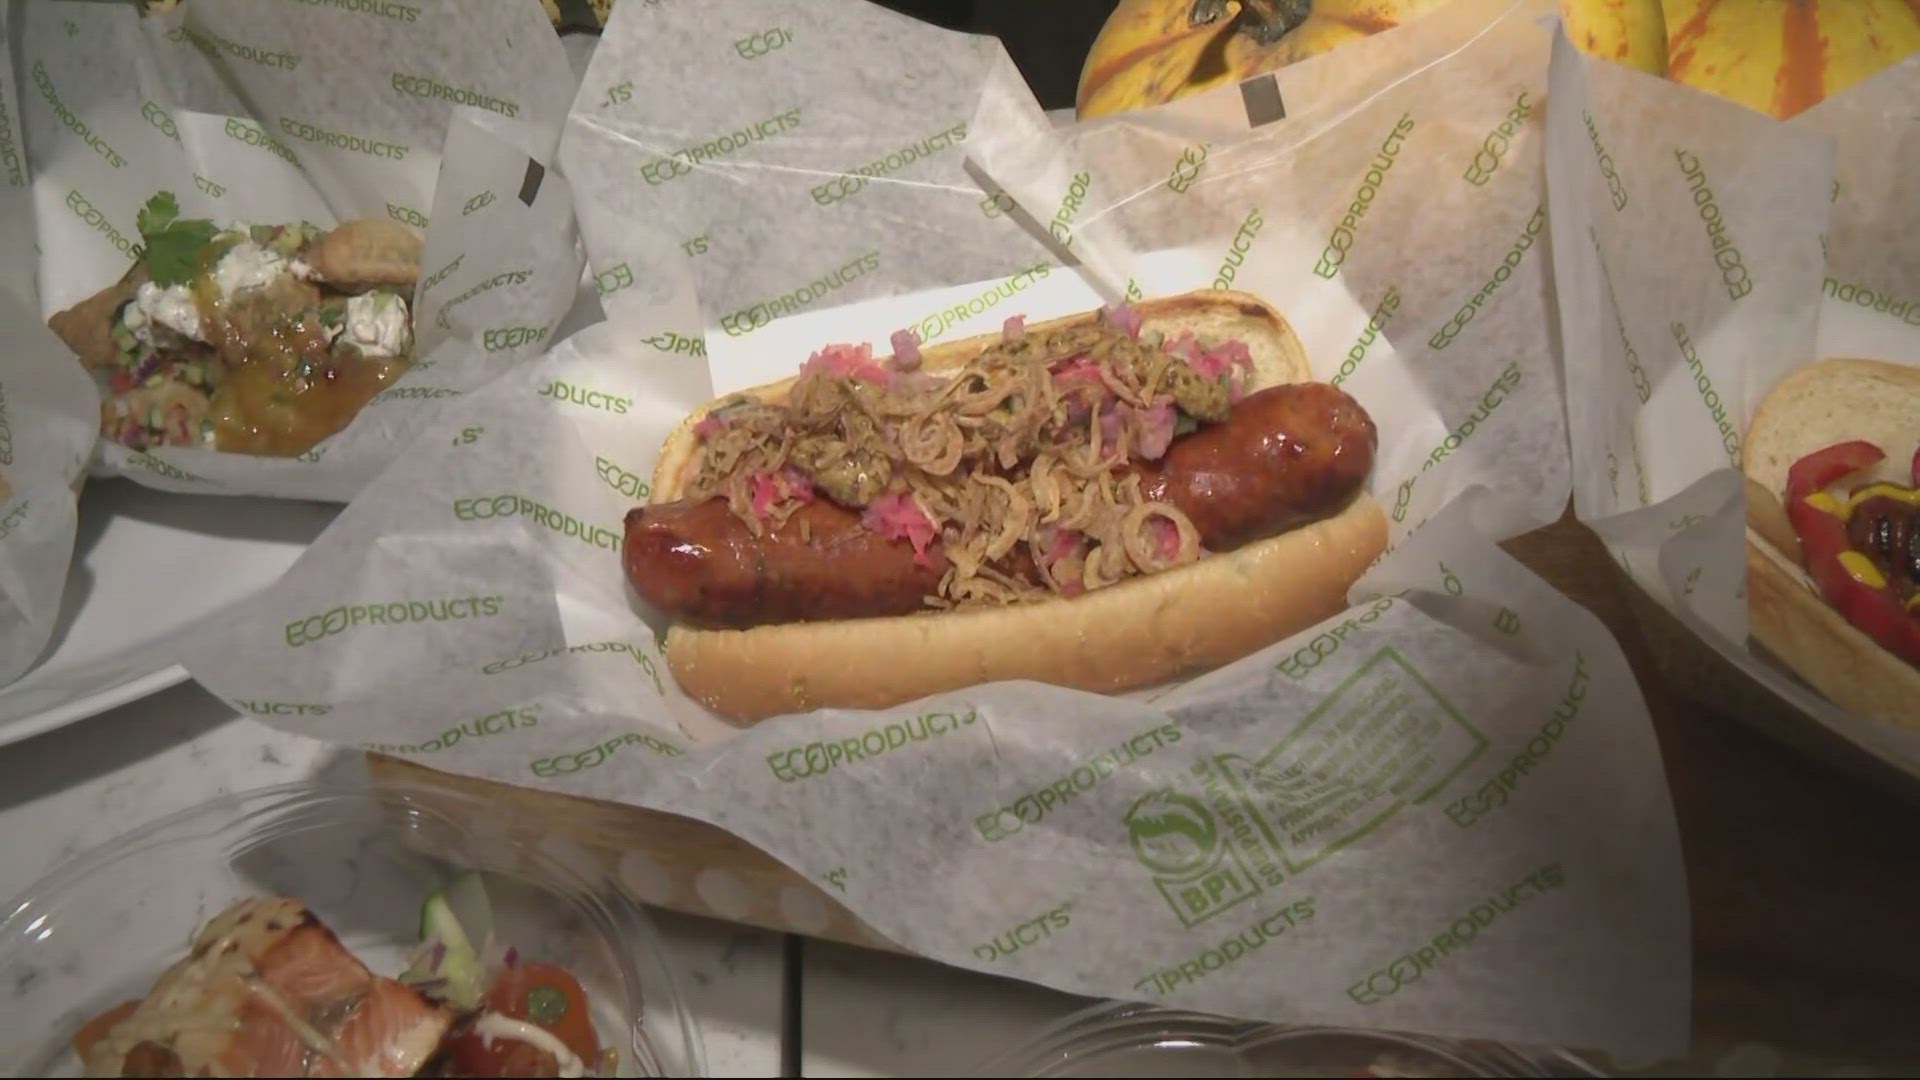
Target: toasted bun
1829	402
1137	633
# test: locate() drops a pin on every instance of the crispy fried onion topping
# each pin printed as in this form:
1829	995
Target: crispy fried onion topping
1015	466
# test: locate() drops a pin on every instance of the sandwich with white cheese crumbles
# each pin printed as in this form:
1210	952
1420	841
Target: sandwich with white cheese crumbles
254	339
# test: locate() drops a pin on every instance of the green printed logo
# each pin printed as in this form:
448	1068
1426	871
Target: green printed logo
819	758
1907	311
1507	621
1638	374
1237	251
561	390
613	280
347	617
1031	932
13	519
681	162
1444	336
1616	188
6	429
1726	254
208	186
72	121
439	275
491	507
211	45
1716	408
282	708
843	187
628	483
1327	642
593	757
1498	141
386	9
10	159
755	46
1229	951
1061	227
164	468
411	393
504	278
619	94
1186	169
512	337
1376	325
1340	240
696	245
937	324
1383	740
759	314
996	204
525	716
407	215
615	648
1470	809
254	135
668	341
1409	967
158	117
1030	808
312	456
426	86
359	144
1503	384
478	202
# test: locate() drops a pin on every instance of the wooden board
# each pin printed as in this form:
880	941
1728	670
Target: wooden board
1803	856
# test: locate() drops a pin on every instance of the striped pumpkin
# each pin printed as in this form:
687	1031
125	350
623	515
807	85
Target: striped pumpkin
1785	56
1148	53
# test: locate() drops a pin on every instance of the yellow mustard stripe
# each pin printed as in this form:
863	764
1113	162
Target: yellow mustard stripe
1862	570
1910	496
1826	504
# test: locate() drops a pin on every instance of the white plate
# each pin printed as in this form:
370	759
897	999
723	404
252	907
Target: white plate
147	564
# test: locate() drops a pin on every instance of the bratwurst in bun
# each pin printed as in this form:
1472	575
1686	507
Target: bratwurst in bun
1102	502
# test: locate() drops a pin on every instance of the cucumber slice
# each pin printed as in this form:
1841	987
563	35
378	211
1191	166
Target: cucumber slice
467	899
447	964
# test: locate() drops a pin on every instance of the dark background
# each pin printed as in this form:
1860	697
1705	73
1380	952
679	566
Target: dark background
1048	39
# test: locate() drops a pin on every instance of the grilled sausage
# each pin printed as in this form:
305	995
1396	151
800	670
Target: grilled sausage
1285	456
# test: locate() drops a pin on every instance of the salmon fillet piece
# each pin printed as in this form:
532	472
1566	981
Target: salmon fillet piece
268	990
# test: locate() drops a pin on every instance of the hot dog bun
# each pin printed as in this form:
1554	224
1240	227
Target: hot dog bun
1133	634
1817	406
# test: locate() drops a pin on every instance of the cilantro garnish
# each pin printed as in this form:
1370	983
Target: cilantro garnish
173	244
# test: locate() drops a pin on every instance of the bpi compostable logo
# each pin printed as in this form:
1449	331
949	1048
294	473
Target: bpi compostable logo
1383	740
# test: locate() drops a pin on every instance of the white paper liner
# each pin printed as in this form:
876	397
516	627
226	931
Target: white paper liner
1442	811
46	430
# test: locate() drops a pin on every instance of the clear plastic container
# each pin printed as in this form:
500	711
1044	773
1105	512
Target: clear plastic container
98	930
1124	1040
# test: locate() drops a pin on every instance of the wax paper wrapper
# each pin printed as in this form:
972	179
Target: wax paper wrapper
1443	810
1703	251
441	115
46	427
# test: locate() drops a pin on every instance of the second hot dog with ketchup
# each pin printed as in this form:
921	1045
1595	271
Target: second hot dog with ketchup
1101	501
